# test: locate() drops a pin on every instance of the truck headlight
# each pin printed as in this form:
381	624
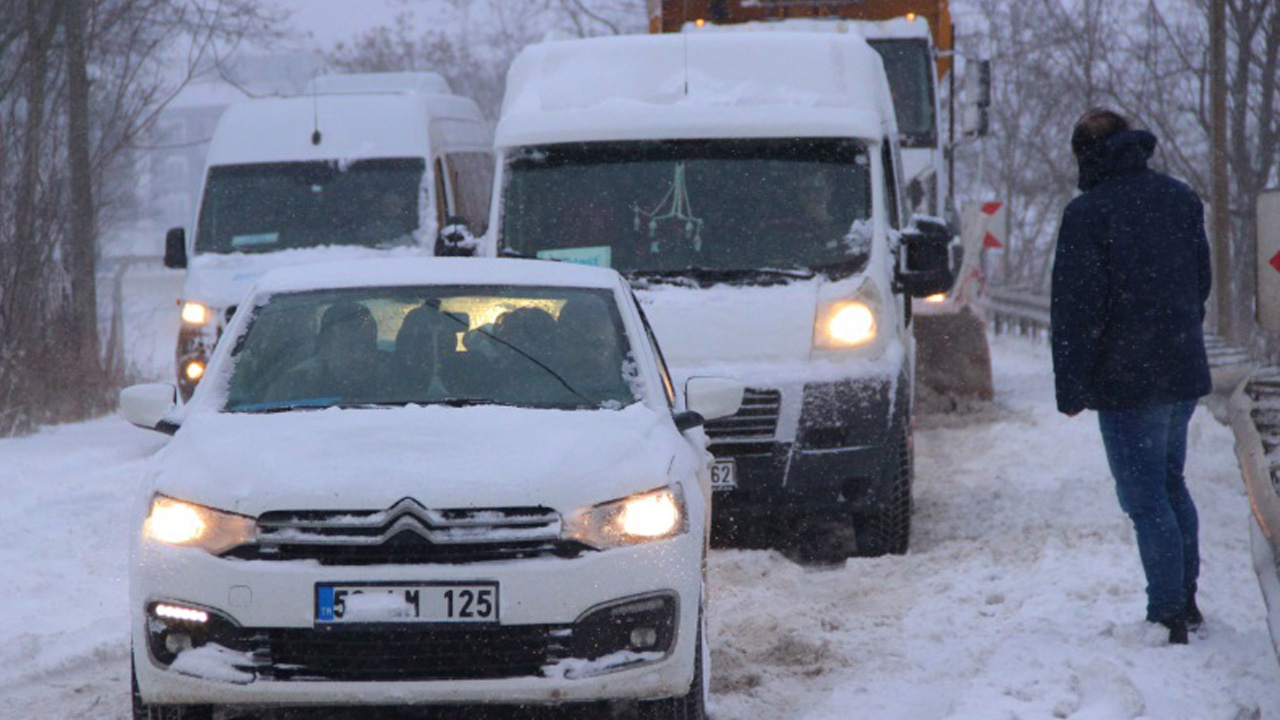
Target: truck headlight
174	522
653	515
193	313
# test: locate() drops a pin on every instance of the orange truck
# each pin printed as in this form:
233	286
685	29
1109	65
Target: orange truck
915	39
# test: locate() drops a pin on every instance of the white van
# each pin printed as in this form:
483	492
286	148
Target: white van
748	187
358	165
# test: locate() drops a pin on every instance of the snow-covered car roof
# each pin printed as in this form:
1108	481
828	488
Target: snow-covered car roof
405	271
351	126
696	85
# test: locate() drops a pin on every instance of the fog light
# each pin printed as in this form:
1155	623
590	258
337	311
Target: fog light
177	642
940	297
644	637
194	370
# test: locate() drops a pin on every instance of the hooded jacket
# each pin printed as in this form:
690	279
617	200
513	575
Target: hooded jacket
1130	280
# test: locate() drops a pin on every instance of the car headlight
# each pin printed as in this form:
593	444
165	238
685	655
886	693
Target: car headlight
193	313
174	522
648	516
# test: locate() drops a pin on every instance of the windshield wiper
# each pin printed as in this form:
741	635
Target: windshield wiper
509	253
843	268
289	406
707	274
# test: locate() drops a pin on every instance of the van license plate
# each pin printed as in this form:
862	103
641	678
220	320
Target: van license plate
407	603
724	475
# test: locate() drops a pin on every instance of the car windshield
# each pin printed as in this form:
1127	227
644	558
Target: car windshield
724	206
266	207
473	345
908	65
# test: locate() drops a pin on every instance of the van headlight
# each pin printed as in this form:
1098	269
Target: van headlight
174	522
193	313
850	323
654	515
845	325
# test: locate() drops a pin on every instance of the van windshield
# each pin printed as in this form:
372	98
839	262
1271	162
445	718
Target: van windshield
709	208
909	67
266	207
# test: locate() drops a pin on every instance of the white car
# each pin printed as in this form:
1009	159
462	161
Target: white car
435	481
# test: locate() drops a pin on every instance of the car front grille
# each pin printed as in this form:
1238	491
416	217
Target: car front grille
408	533
405	654
757	419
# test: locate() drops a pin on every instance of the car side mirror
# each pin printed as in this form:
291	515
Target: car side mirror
175	248
925	268
709	398
455	239
147	405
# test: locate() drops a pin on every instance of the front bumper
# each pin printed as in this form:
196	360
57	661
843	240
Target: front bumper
266	611
830	454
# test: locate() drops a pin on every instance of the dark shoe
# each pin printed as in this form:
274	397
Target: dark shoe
1177	630
1195	620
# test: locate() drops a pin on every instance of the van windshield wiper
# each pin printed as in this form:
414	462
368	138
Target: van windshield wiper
843	268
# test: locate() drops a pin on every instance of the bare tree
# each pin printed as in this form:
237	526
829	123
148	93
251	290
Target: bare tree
63	139
1057	58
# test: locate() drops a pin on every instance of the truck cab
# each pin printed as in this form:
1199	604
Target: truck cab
359	165
759	215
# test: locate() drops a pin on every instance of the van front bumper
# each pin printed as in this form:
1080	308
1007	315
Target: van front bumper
834	460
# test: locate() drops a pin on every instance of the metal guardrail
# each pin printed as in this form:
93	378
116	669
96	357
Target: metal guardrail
1255	421
1020	312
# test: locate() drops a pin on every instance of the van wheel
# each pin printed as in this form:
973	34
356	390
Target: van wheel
693	704
143	711
887	531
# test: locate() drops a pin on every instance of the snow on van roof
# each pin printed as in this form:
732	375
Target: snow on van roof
897	28
695	85
435	271
351	126
421	83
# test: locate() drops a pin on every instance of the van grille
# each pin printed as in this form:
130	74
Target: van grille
756	420
408	533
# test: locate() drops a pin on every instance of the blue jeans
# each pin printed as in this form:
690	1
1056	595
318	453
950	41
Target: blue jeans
1146	449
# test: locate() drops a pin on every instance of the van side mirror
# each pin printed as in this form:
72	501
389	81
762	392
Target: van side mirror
455	239
709	398
146	406
925	267
175	248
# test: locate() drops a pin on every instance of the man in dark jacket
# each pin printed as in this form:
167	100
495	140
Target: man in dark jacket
1130	280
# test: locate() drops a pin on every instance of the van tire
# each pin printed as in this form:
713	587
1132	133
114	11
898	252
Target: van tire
143	711
887	531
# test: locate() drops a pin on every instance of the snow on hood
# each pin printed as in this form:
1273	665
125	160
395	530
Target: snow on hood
731	323
222	280
442	457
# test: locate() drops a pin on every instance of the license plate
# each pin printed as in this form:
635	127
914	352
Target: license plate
724	475
408	603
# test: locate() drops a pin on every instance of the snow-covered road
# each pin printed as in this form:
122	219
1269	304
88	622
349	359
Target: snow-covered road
1021	597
